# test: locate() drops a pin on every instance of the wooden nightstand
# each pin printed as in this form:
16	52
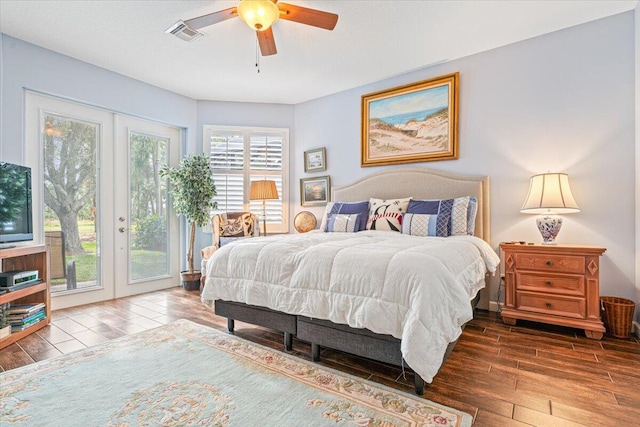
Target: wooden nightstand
556	284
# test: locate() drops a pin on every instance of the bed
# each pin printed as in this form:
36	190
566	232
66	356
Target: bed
271	281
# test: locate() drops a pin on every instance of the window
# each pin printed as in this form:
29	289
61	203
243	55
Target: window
241	155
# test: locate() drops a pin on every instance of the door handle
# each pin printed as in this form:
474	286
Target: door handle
122	229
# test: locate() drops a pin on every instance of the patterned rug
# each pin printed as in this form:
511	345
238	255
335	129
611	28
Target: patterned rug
185	374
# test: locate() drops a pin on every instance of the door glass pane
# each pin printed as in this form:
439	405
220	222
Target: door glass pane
148	235
70	197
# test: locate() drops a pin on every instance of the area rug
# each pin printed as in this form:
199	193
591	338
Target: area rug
185	374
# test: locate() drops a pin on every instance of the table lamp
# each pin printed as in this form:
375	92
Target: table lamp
263	190
549	194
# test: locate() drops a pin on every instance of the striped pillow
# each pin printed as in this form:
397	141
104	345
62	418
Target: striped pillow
461	211
332	208
425	225
342	223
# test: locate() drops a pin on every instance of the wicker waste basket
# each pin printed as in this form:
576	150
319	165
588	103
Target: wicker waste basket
617	315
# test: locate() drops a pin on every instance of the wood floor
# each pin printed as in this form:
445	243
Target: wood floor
530	374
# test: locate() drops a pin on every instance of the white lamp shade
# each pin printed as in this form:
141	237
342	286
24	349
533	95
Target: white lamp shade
550	192
258	14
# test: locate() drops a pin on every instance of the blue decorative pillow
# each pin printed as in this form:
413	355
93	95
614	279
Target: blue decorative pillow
431	207
425	225
333	208
461	212
343	223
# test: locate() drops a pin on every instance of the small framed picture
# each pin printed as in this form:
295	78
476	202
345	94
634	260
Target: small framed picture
315	191
315	160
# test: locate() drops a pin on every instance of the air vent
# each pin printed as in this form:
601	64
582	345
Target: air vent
183	32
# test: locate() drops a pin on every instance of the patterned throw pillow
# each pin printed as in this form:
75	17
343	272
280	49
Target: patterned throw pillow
425	225
386	214
333	208
459	216
342	223
472	211
461	212
236	224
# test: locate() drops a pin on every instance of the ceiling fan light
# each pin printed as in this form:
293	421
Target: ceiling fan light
258	14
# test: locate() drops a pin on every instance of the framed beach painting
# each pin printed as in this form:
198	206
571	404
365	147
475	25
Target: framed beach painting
315	160
315	191
413	123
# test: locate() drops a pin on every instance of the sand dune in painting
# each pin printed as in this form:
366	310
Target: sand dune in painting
411	138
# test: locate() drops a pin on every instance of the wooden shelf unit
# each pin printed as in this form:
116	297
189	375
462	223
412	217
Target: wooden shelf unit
27	258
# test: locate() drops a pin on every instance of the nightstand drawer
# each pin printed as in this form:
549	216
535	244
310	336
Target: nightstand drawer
557	263
565	284
551	304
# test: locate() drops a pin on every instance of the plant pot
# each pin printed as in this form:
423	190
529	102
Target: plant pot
5	332
190	280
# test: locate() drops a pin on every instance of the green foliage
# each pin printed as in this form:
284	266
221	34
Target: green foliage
192	188
150	233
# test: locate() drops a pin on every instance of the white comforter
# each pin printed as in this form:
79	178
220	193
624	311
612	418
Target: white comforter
414	288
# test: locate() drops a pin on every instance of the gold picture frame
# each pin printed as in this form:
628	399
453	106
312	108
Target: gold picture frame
315	191
413	123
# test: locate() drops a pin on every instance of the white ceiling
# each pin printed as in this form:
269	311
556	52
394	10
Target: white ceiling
372	40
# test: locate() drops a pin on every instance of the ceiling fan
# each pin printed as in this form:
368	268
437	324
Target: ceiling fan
260	16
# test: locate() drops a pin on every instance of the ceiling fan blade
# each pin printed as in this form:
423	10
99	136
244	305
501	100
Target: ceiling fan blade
211	18
304	15
267	42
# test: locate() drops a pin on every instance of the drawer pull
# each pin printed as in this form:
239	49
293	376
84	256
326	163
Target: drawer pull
549	262
548	283
548	305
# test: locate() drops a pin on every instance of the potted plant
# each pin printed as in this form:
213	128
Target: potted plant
5	327
192	189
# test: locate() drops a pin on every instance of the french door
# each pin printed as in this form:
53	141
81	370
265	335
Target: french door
99	202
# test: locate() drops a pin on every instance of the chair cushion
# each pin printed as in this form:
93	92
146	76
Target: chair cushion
236	224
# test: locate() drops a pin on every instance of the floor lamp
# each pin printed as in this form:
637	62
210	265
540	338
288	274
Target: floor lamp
263	190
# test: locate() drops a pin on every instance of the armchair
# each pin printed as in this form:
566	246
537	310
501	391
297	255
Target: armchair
228	227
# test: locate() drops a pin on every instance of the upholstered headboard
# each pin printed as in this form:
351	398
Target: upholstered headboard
421	183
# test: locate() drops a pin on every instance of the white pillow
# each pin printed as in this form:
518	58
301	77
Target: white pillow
387	214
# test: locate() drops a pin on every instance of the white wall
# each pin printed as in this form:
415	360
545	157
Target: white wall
562	102
27	66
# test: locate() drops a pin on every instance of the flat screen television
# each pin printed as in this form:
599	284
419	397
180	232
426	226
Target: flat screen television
16	218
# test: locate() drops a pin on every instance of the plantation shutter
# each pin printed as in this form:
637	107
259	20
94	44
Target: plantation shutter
241	155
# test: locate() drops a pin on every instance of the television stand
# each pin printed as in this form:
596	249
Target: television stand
35	257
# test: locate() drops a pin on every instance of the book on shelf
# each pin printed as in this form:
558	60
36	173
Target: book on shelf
24	308
27	317
22	327
22	285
